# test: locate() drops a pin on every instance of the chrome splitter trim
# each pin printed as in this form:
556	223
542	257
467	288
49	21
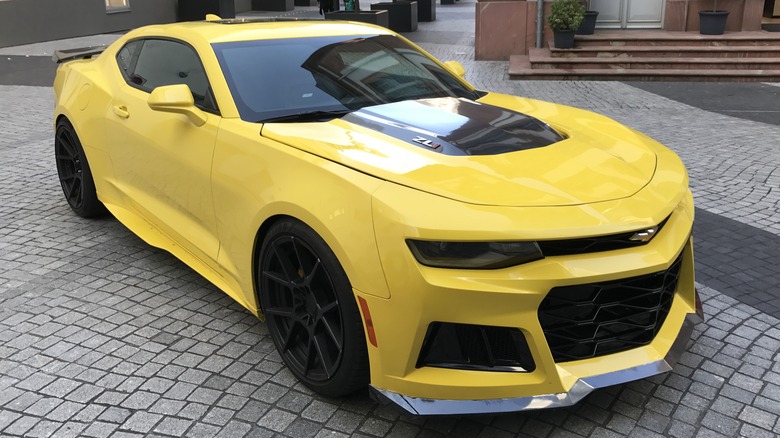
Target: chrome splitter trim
583	387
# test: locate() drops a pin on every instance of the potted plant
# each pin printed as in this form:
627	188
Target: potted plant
565	17
713	21
588	25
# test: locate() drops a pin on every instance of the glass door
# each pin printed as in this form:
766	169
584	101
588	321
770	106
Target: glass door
629	14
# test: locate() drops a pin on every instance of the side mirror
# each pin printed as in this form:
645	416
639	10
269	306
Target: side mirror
456	68
176	99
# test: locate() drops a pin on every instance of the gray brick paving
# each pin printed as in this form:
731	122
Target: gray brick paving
102	335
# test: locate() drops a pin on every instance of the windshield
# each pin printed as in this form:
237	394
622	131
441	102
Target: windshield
276	79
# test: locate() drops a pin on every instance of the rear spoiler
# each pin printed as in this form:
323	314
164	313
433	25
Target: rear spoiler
61	56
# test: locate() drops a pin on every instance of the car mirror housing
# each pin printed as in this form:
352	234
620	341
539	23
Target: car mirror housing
176	99
456	68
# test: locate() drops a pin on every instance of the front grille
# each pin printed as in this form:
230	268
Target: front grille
590	320
475	347
593	244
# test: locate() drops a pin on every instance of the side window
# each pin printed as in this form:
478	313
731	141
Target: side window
165	62
126	57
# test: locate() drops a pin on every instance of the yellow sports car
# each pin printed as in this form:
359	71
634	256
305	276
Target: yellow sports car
457	251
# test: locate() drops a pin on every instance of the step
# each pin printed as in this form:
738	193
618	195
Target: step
527	73
541	60
662	38
669	51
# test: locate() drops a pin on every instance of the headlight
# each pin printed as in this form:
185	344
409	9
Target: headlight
474	255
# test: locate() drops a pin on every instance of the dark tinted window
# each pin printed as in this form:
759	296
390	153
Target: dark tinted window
126	58
166	62
274	78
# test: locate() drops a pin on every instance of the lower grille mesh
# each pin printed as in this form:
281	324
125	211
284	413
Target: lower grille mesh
590	320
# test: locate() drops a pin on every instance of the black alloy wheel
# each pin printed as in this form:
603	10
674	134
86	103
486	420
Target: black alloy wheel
310	310
74	172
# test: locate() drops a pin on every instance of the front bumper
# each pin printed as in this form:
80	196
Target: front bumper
511	299
581	388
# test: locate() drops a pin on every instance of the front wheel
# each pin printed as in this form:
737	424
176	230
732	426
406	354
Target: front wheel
74	172
310	310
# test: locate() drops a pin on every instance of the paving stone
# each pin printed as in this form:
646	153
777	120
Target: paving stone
201	430
727	406
141	422
319	411
173	426
218	416
194	411
375	427
114	415
237	429
721	423
23	402
758	417
140	400
99	429
346	422
253	411
43	406
43	428
21	425
276	420
64	411
8	417
71	429
89	413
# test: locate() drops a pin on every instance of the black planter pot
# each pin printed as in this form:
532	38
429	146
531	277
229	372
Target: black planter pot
380	17
588	25
712	22
564	39
426	10
402	15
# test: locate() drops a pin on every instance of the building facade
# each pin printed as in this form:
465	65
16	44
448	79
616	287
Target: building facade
508	27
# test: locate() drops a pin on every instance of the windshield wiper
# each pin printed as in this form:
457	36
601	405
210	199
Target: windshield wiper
308	116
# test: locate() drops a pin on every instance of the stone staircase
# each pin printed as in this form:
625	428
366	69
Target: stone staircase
656	56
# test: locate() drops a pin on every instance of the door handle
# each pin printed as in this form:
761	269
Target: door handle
121	111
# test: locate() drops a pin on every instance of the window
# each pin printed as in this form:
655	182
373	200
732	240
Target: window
279	77
153	63
126	58
113	6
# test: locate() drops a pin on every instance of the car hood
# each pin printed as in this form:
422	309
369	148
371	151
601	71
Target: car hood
500	150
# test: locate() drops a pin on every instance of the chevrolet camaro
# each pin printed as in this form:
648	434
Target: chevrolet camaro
454	250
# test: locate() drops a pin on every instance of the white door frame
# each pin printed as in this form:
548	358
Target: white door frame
629	14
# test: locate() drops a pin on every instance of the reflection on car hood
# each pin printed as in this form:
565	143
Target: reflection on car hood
485	154
456	126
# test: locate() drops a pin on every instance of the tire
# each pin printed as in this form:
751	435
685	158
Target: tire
74	172
311	311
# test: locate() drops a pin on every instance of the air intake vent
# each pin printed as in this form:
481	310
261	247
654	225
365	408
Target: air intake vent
596	319
475	347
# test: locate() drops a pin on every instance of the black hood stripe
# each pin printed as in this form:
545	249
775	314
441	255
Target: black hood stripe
456	126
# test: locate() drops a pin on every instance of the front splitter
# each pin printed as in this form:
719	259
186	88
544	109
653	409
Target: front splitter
583	387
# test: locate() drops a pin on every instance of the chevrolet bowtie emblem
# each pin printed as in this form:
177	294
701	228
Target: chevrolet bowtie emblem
644	235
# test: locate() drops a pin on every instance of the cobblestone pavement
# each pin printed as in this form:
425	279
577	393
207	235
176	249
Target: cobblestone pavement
102	335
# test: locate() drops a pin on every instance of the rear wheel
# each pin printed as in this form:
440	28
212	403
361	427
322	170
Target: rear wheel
311	311
74	173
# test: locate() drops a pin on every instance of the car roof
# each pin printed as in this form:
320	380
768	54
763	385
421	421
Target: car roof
234	30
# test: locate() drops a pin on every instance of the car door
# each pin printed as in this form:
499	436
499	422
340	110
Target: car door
162	160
